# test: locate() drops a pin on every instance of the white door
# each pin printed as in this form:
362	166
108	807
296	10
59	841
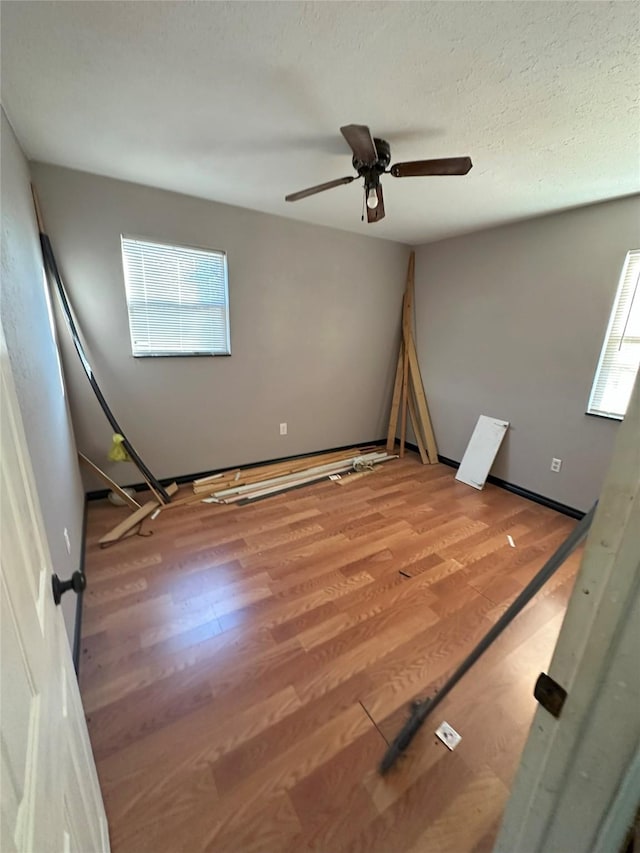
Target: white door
49	790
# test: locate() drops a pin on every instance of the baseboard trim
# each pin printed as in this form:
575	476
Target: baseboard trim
77	628
571	511
100	494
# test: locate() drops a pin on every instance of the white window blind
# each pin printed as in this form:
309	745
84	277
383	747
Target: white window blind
177	298
620	354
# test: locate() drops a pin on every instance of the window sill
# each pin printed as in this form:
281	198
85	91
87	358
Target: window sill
183	355
616	418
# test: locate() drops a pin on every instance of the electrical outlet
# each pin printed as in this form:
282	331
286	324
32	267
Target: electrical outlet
556	465
67	541
283	429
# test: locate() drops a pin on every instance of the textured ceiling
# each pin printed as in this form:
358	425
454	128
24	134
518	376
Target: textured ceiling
241	102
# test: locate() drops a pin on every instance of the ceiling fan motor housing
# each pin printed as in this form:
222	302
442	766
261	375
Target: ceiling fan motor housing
371	171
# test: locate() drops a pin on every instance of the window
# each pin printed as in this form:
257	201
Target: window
177	298
620	354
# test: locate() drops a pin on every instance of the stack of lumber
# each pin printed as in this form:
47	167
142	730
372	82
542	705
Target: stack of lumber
408	389
246	484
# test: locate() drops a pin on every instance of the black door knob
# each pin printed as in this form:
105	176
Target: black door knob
77	582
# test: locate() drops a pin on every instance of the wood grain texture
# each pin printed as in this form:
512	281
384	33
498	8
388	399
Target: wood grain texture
125	496
243	667
395	402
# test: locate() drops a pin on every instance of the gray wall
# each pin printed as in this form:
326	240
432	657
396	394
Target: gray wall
510	322
35	366
314	327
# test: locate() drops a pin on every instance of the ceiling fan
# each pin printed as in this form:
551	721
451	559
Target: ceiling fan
371	158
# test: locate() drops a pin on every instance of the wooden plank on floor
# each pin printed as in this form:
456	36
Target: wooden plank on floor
261	654
135	518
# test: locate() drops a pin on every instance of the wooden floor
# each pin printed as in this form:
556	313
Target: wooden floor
243	667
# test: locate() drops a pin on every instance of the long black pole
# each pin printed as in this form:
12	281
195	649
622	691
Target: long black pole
51	265
421	710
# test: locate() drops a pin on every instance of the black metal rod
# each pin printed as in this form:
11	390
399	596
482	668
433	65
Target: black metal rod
50	263
421	710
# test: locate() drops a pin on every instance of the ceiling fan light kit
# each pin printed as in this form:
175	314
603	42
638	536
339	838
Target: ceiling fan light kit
371	158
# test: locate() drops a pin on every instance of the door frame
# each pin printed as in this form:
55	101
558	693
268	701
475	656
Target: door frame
574	789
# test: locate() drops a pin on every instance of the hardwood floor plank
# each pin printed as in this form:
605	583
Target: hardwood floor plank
243	667
399	825
196	740
320	798
269	824
476	801
275	611
233	768
140	712
299	625
167	814
204	642
236	807
409	669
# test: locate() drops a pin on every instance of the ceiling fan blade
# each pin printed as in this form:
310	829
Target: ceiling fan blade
361	142
320	188
377	213
424	168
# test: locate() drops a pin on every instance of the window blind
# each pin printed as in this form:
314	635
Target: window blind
620	354
177	298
